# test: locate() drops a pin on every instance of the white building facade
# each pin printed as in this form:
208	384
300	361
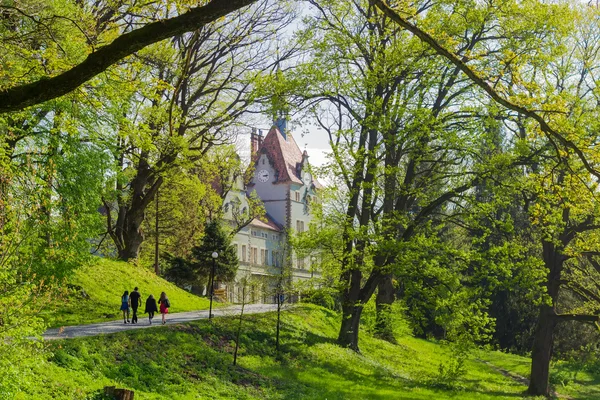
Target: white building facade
283	182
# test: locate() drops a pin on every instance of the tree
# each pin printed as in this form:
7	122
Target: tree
395	118
193	95
567	130
47	88
226	264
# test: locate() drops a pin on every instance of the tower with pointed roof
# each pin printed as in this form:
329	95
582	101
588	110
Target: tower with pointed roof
283	181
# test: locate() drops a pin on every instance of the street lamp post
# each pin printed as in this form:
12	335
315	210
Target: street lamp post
212	282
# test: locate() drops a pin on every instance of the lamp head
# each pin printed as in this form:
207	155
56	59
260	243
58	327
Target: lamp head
215	254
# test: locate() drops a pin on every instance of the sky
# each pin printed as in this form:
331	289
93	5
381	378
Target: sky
308	137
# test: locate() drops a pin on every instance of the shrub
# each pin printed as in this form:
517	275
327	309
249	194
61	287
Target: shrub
324	297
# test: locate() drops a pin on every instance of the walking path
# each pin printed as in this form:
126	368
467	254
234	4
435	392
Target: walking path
69	332
521	379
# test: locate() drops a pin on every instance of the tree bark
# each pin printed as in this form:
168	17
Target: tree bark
128	235
541	353
353	302
348	336
544	334
384	300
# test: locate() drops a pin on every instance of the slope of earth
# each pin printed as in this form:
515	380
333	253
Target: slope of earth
194	361
95	291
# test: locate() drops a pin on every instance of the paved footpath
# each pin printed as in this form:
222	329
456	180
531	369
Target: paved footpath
69	332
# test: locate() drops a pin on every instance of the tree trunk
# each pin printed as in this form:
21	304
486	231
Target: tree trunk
239	331
384	300
129	236
278	328
354	300
541	353
348	336
543	339
133	239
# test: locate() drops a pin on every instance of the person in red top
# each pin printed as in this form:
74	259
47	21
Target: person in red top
164	306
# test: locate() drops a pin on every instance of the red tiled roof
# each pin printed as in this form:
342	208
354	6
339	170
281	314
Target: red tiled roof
268	223
284	154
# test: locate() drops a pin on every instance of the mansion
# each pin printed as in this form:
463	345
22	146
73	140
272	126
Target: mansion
282	181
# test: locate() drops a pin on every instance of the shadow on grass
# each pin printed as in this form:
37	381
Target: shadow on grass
184	357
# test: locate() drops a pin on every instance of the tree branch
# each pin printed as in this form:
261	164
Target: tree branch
479	81
578	317
19	97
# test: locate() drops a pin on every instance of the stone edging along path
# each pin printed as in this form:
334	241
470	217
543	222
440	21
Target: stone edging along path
70	332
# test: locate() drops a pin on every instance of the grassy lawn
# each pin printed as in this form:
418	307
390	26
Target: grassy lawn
194	361
565	379
104	281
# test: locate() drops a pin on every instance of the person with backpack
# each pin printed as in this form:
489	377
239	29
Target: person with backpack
125	306
165	304
135	298
151	307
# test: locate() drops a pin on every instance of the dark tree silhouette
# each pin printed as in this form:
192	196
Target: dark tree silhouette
215	239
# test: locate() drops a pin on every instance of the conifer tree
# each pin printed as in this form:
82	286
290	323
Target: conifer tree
215	239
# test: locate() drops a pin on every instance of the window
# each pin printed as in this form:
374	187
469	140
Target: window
299	226
243	253
235	246
300	262
263	161
264	256
297	196
275	258
253	255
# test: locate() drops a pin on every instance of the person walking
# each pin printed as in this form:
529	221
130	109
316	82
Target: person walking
125	306
151	307
136	299
164	306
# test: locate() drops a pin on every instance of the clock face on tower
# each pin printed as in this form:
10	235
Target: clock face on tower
263	175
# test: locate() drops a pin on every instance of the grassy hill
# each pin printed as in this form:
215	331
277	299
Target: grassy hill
194	361
104	282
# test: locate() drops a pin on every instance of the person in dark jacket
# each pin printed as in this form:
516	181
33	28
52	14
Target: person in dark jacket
151	307
135	298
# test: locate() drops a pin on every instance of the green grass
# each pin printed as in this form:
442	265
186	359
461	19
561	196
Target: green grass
194	361
563	376
104	281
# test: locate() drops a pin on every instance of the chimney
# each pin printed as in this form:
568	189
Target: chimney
254	142
260	139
